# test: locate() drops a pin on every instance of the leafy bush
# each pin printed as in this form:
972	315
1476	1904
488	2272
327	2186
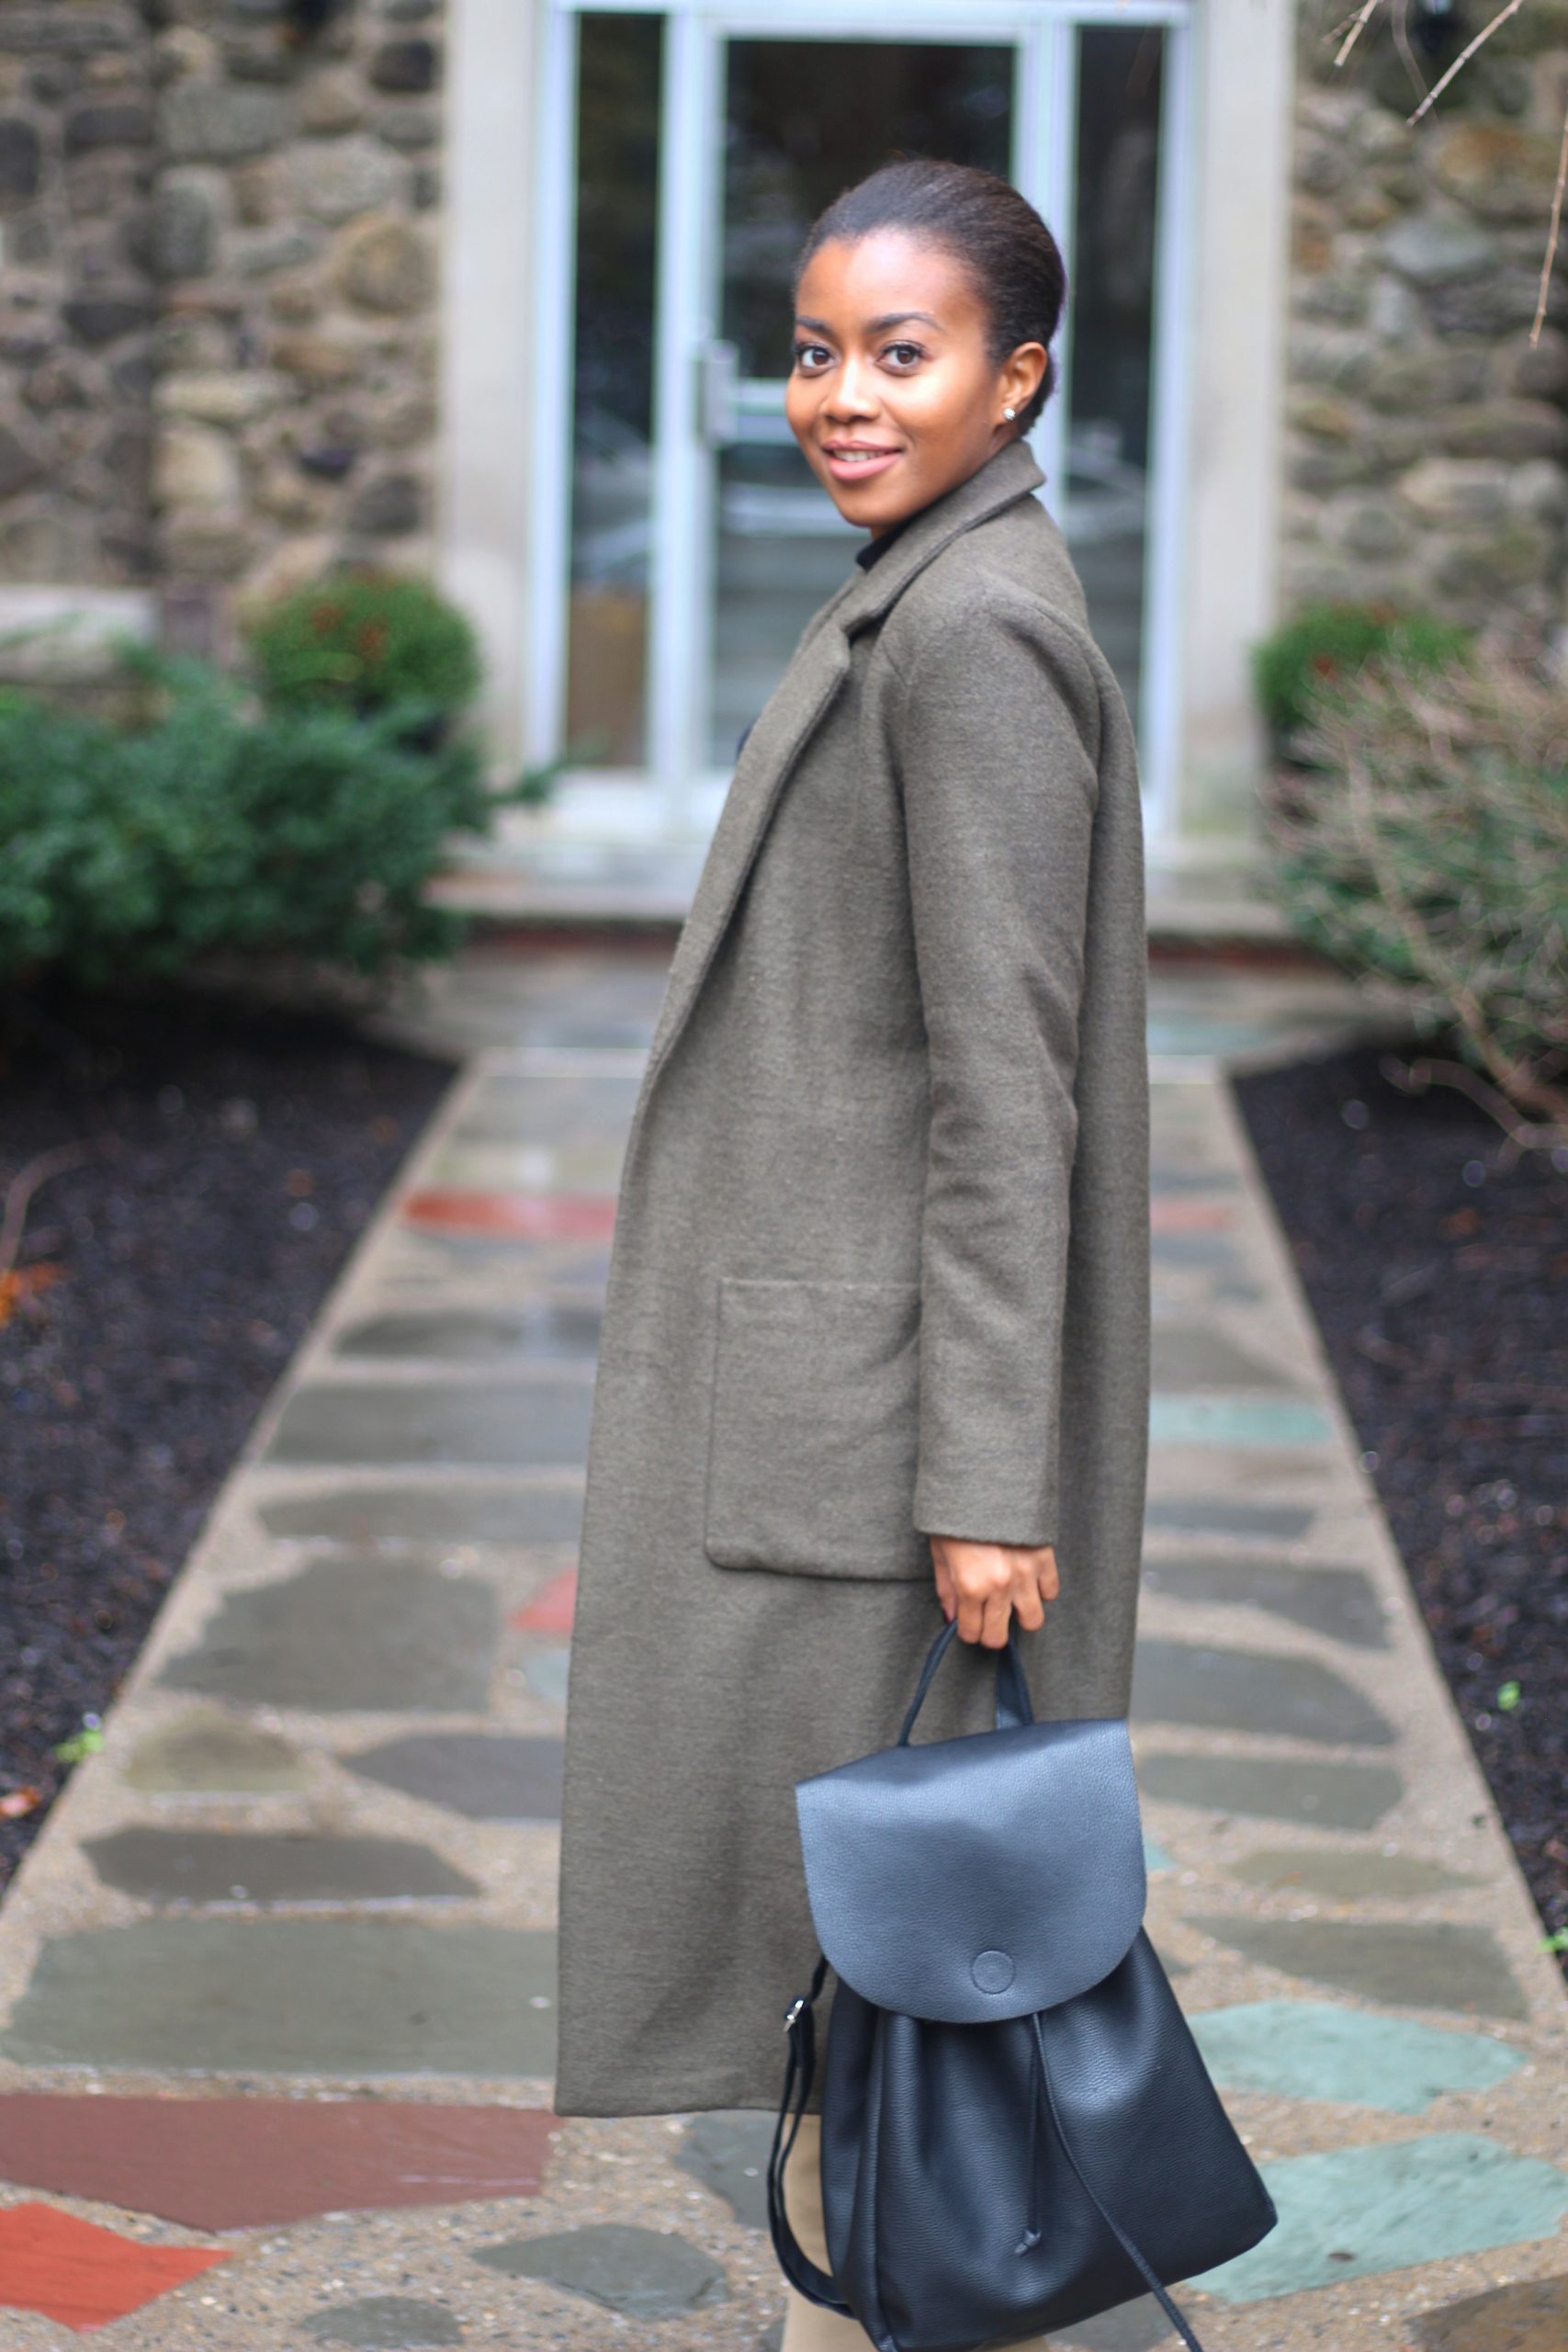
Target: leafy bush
307	832
1322	649
1429	845
362	642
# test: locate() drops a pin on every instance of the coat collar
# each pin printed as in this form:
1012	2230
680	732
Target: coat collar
1010	475
797	706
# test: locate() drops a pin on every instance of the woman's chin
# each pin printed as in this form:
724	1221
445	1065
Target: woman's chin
865	510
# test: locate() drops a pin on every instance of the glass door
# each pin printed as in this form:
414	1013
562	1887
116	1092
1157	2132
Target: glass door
693	540
798	121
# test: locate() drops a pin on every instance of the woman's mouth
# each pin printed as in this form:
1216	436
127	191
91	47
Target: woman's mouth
857	460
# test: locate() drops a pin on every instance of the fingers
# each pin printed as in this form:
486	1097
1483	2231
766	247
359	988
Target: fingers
994	1619
943	1575
985	1585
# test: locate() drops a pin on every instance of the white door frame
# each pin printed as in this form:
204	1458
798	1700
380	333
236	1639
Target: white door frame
677	797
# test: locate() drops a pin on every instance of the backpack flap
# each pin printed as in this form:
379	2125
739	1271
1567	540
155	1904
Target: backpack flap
978	1878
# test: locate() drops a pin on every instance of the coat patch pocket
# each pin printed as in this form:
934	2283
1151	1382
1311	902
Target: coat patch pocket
815	1430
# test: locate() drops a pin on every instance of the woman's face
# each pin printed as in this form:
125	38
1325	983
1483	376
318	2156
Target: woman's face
894	395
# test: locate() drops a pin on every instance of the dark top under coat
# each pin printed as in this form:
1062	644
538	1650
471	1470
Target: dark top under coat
872	552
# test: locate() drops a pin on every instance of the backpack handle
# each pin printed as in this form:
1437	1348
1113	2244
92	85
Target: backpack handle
1013	1708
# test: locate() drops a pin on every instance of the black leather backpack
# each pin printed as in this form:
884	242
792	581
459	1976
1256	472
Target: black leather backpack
1018	2130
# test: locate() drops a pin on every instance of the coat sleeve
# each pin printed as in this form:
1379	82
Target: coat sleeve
997	741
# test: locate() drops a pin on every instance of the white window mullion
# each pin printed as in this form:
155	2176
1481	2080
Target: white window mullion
1165	553
681	566
550	487
1044	167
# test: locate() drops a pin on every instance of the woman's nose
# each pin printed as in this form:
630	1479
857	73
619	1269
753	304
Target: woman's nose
853	391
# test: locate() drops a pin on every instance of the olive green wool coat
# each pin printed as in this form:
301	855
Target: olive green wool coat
880	1269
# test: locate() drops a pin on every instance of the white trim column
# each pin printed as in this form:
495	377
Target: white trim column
489	301
1238	273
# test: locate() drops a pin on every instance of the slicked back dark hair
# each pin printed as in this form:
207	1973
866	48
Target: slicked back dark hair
1013	261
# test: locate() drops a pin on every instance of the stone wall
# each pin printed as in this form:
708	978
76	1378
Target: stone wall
76	293
295	228
217	353
218	315
1426	440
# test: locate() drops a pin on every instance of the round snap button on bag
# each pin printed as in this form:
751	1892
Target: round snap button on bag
993	1971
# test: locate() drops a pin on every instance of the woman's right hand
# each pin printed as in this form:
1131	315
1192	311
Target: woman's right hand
985	1585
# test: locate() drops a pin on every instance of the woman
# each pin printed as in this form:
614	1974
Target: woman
876	1337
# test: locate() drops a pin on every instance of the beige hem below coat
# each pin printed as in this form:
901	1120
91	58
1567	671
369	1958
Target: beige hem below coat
880	1270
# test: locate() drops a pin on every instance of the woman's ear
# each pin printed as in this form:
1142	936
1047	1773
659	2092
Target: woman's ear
1023	370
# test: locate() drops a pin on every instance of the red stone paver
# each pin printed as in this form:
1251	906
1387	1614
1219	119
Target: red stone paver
84	2275
1179	1215
552	1609
230	2163
524	1216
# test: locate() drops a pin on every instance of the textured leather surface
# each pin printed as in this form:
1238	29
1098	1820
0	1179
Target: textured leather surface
931	1867
938	2153
1018	2129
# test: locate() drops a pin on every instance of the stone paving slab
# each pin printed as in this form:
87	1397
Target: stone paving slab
488	1775
530	1424
385	2324
637	2273
339	1997
236	2164
442	1511
83	2275
1509	2319
1348	1874
1338	1602
1330	1796
1359	2212
1215	1688
545	1332
1317	2050
350	1633
225	1866
367	1656
1438	1964
209	1754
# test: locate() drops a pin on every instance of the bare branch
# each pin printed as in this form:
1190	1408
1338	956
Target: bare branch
1551	236
1362	18
1511	8
22	1187
1402	42
1426	1071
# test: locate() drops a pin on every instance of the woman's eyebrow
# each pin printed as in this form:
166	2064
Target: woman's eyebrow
873	326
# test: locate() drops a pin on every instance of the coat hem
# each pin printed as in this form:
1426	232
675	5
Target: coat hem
671	2098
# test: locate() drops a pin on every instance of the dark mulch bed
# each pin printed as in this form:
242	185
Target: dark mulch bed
1439	1278
232	1156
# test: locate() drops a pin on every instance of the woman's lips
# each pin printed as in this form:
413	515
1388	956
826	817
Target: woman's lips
845	468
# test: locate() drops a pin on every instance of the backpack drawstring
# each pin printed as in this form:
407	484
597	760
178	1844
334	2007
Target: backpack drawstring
1144	2269
1031	2237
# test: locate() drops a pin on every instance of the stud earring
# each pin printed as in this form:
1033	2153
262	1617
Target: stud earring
1010	414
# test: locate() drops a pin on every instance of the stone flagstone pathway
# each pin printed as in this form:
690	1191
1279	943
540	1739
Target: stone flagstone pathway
276	1983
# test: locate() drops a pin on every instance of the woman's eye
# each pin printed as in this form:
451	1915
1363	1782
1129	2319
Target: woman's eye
809	355
903	355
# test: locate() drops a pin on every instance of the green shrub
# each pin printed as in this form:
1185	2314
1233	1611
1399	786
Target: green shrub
361	643
1320	653
309	834
1429	843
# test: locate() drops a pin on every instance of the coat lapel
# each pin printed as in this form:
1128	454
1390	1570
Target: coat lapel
796	708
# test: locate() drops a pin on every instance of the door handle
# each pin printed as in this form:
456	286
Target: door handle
718	380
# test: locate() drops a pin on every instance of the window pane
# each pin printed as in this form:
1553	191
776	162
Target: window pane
803	120
613	391
806	118
1113	319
